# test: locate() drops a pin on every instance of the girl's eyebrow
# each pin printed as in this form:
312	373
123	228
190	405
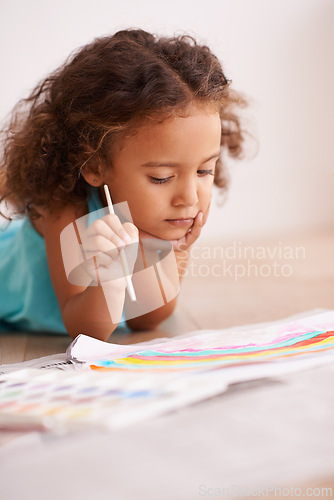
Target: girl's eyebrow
156	164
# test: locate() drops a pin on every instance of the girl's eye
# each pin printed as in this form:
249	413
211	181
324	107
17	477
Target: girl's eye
156	180
201	173
205	172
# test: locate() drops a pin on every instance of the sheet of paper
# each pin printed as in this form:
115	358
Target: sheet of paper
153	378
305	338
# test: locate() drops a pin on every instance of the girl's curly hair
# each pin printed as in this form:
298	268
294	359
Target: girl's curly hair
106	89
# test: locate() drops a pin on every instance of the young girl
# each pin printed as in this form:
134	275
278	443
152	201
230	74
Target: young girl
149	118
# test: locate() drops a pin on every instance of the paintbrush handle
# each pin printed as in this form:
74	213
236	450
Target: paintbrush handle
125	265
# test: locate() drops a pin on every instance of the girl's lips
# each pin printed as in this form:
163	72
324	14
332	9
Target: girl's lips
180	222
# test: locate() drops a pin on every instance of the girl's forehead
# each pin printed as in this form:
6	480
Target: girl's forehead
197	115
186	138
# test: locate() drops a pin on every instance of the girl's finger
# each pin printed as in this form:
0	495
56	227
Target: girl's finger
185	242
98	243
196	228
117	228
205	214
132	231
111	228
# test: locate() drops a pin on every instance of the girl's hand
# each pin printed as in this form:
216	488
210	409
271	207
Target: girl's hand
102	242
189	239
191	236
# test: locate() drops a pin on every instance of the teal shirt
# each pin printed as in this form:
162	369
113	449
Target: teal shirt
27	299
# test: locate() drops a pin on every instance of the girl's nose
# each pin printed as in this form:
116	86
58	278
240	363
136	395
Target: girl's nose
186	194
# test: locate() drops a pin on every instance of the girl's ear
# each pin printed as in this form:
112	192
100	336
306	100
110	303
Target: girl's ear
93	178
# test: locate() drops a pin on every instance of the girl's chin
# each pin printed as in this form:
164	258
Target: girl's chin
168	235
175	234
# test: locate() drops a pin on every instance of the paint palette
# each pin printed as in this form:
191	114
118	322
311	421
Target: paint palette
61	401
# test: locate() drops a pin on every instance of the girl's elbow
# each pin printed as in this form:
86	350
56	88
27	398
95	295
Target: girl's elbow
96	331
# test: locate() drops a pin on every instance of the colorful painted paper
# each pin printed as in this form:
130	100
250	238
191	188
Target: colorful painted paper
291	345
116	386
298	339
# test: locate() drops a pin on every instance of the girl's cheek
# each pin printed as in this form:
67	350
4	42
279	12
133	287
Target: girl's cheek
206	197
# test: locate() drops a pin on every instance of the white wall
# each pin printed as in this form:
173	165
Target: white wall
279	52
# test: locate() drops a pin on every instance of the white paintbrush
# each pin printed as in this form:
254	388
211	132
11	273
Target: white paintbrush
124	261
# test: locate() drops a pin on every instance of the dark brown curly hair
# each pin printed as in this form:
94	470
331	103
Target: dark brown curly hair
105	89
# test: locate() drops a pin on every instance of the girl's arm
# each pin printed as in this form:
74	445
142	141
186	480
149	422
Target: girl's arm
83	308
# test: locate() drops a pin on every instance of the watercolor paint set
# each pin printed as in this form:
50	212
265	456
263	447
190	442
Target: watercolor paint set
66	401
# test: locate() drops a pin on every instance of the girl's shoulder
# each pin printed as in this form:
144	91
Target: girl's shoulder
57	219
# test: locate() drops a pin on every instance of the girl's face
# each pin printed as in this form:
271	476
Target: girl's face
165	172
